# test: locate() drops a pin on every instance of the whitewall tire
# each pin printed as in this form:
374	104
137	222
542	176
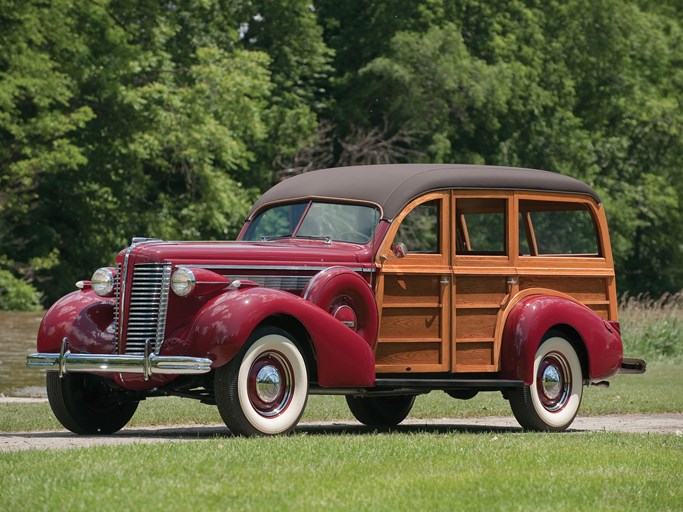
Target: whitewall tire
264	390
552	400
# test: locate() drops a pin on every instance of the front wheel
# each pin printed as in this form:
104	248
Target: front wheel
553	399
85	404
380	411
264	389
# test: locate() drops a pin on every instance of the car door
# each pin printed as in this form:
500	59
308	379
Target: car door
485	276
414	289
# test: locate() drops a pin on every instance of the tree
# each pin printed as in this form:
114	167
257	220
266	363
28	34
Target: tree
589	89
147	119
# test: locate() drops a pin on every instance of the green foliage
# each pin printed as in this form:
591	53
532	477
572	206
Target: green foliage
585	88
16	294
653	328
123	118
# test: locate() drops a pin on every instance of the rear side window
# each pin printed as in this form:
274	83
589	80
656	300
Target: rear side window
480	227
557	229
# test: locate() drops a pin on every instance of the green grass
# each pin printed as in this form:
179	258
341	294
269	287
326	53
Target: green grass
659	390
419	471
652	329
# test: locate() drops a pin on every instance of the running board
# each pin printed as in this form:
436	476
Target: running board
444	384
401	386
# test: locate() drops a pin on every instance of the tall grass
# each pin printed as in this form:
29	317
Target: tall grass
652	328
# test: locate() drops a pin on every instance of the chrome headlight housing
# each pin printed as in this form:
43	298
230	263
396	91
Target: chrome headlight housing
102	282
183	282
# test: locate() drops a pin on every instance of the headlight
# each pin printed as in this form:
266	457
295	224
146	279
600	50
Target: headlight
183	281
102	282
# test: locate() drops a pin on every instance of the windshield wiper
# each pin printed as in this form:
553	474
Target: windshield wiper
266	238
327	238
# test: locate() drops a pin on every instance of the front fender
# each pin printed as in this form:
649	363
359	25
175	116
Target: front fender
220	330
532	317
83	317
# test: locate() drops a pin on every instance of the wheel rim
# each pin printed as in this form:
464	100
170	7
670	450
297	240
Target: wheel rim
270	384
346	315
554	382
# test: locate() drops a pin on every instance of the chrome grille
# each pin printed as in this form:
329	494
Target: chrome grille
146	319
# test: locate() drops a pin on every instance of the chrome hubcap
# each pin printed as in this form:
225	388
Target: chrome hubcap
552	385
268	383
554	382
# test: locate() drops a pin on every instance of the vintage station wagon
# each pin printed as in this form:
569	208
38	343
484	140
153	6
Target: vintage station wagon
380	283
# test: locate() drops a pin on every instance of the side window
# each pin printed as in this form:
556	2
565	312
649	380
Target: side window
557	229
419	231
480	227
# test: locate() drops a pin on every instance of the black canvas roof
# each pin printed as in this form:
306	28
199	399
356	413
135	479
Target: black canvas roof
393	186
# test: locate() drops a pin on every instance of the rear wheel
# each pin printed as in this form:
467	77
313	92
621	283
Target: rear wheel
553	399
380	411
264	389
86	404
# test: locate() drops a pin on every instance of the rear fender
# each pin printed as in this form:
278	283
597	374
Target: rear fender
344	359
532	317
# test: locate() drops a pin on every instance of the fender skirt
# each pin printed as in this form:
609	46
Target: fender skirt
532	317
344	358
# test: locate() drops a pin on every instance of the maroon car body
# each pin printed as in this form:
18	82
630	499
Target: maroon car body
319	295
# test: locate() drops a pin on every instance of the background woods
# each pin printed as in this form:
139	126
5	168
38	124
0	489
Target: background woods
139	117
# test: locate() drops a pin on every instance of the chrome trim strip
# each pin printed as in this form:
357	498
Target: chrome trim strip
277	267
163	307
123	273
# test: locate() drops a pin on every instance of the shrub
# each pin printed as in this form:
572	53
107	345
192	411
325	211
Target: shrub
652	328
16	294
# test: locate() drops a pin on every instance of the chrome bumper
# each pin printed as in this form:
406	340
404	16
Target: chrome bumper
146	364
633	366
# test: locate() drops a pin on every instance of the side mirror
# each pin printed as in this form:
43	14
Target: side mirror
399	249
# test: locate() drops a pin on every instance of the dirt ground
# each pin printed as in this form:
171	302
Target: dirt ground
633	423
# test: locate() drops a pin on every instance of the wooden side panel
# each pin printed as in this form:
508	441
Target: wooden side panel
414	325
409	356
416	322
475	324
473	356
411	289
589	290
582	288
477	304
479	290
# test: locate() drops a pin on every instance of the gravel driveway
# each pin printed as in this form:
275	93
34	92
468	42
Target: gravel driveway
633	423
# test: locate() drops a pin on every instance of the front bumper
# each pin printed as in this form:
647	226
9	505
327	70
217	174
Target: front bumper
146	364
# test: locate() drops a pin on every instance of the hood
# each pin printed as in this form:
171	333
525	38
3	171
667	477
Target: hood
279	253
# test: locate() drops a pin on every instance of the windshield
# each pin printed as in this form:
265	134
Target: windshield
329	221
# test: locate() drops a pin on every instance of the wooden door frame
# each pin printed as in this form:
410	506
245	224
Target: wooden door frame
421	264
474	265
